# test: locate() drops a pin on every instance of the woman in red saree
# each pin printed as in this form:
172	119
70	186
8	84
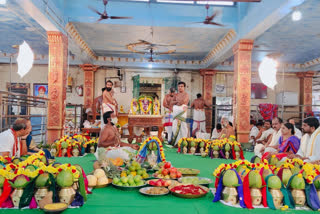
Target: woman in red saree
288	143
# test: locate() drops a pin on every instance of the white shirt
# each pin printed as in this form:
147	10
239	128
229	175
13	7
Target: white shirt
297	133
313	146
275	138
254	132
265	134
7	142
303	145
215	134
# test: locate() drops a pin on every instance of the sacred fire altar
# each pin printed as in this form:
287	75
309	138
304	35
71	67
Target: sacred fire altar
144	121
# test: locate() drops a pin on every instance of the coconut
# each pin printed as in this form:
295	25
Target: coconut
42	180
257	160
255	179
279	164
16	161
216	148
65	178
20	181
102	181
227	147
297	182
99	173
286	175
317	183
31	168
202	144
236	148
273	160
1	181
266	172
64	145
185	143
193	144
274	182
230	179
153	146
92	180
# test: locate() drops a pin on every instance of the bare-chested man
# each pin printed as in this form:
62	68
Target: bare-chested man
109	103
167	103
199	117
227	129
180	107
109	135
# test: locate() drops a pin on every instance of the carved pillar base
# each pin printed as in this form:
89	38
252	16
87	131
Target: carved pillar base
207	95
242	88
89	85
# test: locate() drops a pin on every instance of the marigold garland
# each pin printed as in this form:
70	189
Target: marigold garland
137	108
149	105
156	111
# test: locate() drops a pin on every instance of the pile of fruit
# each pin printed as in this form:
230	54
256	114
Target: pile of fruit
189	189
156	191
188	171
194	180
98	178
160	182
166	171
128	181
134	168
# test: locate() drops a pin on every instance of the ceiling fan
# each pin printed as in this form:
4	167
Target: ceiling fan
104	15
150	59
209	19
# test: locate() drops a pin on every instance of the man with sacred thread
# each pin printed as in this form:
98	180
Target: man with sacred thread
13	141
180	108
167	103
199	117
109	103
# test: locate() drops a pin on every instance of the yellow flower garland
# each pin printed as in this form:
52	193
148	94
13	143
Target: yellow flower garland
149	105
131	106
163	158
156	111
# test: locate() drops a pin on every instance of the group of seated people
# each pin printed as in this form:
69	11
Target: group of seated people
284	140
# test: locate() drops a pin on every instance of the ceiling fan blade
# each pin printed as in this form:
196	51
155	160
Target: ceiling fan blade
210	18
94	10
119	17
215	23
99	20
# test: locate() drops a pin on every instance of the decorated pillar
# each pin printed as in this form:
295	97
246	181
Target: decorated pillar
207	94
306	90
242	88
57	81
88	89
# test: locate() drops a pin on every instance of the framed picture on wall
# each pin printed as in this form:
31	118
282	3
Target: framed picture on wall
40	90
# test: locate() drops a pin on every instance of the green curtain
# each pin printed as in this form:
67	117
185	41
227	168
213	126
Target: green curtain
136	86
171	82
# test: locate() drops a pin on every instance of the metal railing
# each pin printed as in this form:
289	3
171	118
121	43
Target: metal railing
15	105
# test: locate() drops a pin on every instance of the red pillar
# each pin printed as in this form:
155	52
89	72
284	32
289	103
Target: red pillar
207	94
89	85
306	90
242	88
57	80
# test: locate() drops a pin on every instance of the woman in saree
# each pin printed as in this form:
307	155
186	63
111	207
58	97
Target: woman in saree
288	143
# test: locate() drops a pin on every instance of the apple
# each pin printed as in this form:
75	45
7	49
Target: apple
159	183
167	165
179	174
165	172
173	175
167	183
153	183
173	170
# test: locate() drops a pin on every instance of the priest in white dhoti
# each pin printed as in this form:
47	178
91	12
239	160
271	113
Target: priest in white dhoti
199	117
109	103
180	108
167	103
309	150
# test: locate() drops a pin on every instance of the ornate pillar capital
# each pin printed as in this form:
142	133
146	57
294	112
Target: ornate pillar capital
243	45
89	67
206	72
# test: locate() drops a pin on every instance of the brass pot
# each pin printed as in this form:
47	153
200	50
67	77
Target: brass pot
230	195
185	150
92	149
237	155
201	150
75	152
299	197
318	193
66	195
256	196
277	197
215	154
63	152
193	150
16	195
227	154
75	185
41	193
53	152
